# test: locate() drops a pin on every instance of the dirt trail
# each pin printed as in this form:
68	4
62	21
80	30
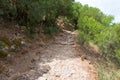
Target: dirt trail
58	60
65	61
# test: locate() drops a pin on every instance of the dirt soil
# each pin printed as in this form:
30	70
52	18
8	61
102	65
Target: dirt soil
58	58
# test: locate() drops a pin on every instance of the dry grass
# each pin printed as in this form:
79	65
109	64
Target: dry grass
108	71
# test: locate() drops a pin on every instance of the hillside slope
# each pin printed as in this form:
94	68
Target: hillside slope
55	59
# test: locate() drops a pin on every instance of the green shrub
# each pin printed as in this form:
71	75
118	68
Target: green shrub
97	27
3	47
88	30
51	30
7	9
7	45
109	42
31	12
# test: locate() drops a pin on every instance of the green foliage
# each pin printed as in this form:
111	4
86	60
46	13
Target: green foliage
117	52
7	8
32	12
94	26
5	40
50	30
4	44
81	12
3	53
109	42
7	45
76	11
88	29
106	39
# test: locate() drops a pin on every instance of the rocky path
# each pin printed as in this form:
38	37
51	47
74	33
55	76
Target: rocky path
58	60
65	61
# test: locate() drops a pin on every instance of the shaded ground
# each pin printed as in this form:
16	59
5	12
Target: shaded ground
56	59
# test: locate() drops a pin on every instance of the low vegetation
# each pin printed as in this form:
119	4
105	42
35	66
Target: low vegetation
108	71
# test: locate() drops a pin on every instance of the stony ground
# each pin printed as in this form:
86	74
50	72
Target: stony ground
58	59
65	61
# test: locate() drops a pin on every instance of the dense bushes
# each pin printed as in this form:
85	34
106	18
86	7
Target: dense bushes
32	12
109	42
7	9
96	27
91	21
